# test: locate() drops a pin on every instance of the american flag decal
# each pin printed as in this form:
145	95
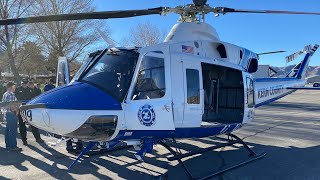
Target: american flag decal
187	49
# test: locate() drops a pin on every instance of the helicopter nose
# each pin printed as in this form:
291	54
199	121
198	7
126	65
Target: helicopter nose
64	110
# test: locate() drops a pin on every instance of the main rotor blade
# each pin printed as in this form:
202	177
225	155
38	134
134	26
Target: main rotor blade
272	52
224	10
82	16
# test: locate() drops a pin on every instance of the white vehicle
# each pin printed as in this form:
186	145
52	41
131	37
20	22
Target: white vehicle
316	84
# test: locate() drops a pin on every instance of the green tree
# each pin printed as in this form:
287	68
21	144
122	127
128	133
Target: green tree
30	60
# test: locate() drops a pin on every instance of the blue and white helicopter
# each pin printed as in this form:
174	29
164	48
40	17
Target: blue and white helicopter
192	85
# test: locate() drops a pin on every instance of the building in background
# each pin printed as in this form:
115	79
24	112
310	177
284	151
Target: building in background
264	71
313	78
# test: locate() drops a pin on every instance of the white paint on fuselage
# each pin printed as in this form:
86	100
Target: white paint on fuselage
270	90
64	121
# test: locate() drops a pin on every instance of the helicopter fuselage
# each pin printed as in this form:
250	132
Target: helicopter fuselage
189	86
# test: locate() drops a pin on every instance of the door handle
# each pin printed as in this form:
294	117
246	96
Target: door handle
167	107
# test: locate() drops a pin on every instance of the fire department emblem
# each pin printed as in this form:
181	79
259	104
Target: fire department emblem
147	115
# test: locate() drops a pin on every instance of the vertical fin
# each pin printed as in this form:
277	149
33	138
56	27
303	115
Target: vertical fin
299	71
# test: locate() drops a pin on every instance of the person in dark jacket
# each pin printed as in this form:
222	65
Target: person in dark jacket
34	91
25	93
49	85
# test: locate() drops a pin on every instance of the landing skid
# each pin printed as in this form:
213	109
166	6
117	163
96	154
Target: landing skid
103	151
99	151
87	151
234	139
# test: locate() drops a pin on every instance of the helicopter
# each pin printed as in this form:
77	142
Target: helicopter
193	85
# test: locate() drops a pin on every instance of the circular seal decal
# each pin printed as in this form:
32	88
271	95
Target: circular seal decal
147	115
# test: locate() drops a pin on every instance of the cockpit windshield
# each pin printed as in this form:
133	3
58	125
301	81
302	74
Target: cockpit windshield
112	72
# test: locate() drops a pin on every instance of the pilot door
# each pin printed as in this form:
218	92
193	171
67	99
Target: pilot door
149	103
193	93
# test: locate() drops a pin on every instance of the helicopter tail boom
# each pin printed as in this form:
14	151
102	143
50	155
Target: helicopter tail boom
268	90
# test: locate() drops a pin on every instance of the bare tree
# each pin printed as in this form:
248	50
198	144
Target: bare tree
144	34
12	36
65	38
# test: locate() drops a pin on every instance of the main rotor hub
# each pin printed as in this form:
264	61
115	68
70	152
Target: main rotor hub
190	12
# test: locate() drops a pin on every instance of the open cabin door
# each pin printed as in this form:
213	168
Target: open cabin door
193	93
149	103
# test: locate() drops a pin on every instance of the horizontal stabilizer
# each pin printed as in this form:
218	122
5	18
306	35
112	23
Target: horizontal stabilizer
303	88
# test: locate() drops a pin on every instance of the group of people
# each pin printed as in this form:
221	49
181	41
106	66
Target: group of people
12	116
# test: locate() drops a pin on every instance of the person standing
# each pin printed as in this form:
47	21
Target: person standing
49	85
38	87
34	91
24	93
11	118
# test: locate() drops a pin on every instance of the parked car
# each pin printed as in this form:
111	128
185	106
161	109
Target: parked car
316	84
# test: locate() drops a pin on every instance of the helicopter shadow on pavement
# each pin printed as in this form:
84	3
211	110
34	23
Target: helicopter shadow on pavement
295	106
40	157
297	159
280	163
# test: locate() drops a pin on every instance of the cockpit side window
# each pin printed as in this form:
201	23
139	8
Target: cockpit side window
112	73
150	82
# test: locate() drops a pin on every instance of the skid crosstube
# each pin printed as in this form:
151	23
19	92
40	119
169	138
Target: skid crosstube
234	140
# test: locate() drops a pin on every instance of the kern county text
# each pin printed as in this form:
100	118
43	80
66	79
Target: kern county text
270	91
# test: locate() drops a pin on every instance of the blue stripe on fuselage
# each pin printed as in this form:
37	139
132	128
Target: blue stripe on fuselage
77	96
198	132
274	79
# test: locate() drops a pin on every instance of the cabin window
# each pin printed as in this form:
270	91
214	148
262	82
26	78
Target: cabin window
250	93
193	86
151	79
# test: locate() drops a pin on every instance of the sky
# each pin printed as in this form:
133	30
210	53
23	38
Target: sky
256	32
